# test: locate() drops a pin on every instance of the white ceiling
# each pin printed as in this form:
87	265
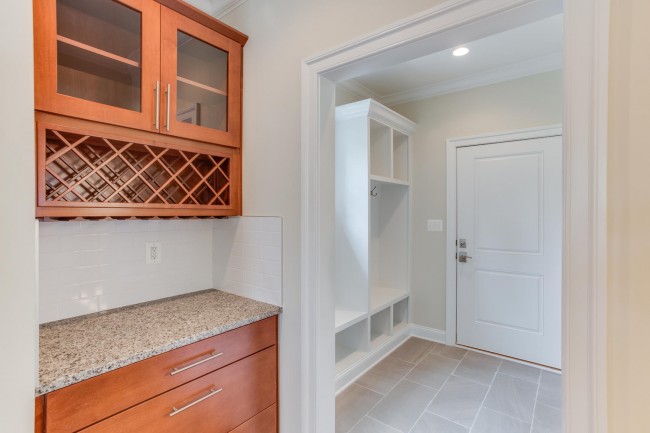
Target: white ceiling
522	51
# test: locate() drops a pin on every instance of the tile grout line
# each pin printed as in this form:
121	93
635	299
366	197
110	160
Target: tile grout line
486	395
367	414
439	390
434	396
539	386
380	422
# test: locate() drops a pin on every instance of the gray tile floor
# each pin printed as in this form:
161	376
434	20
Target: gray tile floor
425	387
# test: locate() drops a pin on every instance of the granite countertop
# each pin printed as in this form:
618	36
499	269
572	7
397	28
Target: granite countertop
76	349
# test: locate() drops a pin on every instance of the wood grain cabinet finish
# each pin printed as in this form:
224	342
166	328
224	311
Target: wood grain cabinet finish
215	403
264	422
151	72
87	169
165	68
241	362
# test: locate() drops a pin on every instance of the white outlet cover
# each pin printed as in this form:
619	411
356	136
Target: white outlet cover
434	225
153	253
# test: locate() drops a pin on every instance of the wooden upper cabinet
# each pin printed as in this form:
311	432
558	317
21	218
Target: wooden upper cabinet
139	64
98	60
201	72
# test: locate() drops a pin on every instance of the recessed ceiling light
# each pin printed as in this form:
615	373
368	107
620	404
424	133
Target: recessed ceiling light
460	51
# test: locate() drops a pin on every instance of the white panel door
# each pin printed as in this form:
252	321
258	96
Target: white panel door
509	212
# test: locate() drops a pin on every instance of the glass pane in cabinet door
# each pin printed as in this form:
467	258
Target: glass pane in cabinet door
202	83
99	52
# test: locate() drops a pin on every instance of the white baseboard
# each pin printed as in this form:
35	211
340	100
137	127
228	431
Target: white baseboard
353	372
431	334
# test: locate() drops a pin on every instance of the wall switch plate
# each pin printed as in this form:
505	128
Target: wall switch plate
153	253
434	225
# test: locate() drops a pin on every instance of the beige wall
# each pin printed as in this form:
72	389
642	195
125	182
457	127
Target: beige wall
18	321
282	34
522	103
629	217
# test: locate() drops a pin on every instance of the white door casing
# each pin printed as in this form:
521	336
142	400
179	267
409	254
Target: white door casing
509	212
585	118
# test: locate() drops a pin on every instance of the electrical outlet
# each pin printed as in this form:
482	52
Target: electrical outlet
434	225
153	253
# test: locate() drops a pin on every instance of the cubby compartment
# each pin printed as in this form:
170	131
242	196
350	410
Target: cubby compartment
389	252
351	345
380	149
380	327
400	314
400	156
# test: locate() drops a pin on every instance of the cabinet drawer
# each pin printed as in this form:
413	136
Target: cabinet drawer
264	422
77	406
215	403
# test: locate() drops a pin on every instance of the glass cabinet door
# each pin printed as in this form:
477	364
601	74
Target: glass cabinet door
98	59
201	74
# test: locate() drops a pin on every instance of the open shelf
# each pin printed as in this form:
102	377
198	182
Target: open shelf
400	314
380	149
400	156
351	345
380	327
382	297
389	180
345	318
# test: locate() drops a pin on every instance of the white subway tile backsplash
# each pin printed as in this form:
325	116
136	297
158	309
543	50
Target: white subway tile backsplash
270	267
271	253
91	266
254	267
78	307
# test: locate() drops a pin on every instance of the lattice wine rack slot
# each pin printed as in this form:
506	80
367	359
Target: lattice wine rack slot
82	170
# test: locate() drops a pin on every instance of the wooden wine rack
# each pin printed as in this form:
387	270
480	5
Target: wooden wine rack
88	174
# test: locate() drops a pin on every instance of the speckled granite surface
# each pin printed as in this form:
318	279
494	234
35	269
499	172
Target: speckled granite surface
76	349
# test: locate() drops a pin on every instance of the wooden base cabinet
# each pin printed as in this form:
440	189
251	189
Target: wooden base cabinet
238	393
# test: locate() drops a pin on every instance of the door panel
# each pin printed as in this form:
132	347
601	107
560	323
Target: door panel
201	78
98	60
509	210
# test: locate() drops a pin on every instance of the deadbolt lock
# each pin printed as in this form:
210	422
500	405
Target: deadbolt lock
462	243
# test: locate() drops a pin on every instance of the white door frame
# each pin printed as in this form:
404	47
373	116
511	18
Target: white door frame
585	153
450	250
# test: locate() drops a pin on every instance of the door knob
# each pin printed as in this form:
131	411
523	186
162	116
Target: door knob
462	257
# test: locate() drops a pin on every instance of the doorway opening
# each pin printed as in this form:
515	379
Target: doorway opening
437	30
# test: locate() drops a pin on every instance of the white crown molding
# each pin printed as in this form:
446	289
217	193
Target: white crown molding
359	90
377	111
225	10
548	63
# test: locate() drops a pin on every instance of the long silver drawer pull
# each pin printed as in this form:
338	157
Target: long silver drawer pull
177	370
212	393
169	101
156	120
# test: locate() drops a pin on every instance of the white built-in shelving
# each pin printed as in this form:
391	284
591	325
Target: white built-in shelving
373	199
